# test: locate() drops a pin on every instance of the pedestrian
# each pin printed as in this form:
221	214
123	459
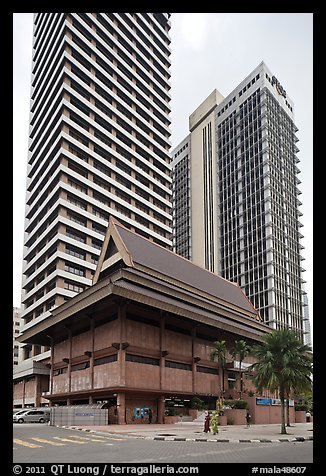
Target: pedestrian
207	422
150	415
308	416
248	419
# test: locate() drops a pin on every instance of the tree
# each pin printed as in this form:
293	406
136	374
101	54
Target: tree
241	349
219	351
299	374
283	363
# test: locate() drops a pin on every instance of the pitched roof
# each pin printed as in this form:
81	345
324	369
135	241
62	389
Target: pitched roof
141	253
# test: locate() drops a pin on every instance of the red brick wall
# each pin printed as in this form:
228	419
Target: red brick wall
131	403
178	343
142	375
105	334
140	334
107	375
176	379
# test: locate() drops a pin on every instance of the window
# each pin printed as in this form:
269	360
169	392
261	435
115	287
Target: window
105	360
177	365
207	370
71	286
72	268
81	366
142	360
61	371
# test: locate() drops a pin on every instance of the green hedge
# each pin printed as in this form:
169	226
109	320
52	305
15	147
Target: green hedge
301	406
242	404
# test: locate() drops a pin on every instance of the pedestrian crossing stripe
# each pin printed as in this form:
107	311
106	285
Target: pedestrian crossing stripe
70	441
26	443
54	443
91	439
112	438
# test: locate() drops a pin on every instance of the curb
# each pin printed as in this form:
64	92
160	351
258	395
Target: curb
210	440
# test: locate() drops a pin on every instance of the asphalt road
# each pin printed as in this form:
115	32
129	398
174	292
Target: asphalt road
40	443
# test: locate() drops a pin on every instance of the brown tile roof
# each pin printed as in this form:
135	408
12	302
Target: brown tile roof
159	259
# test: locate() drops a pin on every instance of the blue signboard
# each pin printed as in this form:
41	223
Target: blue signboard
263	401
141	412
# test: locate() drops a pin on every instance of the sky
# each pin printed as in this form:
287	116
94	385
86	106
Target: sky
209	50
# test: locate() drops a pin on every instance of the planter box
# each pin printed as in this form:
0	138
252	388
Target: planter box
168	420
194	413
238	414
222	420
300	416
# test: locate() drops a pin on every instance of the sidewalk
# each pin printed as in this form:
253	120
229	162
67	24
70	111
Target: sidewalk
193	431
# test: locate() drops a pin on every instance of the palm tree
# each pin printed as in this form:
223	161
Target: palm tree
283	363
241	349
219	351
299	373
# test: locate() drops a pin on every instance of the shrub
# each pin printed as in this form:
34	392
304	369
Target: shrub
301	406
196	403
236	404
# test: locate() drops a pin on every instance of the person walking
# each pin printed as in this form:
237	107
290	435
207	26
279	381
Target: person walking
150	415
308	416
207	422
248	419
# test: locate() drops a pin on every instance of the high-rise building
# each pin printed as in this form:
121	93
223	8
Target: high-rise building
306	321
99	146
16	331
241	203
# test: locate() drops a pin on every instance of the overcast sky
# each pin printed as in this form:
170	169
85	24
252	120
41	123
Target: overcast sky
209	50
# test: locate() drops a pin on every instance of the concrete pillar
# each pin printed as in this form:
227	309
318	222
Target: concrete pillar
122	352
70	357
162	349
161	409
91	361
194	366
121	408
51	368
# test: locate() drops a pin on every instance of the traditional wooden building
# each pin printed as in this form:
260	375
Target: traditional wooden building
143	332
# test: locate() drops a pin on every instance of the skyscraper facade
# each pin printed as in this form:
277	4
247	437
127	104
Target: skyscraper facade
244	196
99	145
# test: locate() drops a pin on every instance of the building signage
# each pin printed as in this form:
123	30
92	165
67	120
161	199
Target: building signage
263	401
141	412
278	86
277	401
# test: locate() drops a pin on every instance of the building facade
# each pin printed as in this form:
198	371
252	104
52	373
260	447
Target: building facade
142	334
244	196
99	146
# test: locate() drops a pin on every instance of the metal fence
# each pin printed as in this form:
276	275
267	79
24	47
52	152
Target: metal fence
79	415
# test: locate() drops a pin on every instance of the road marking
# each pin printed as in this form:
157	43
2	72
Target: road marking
54	443
89	439
70	441
26	443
